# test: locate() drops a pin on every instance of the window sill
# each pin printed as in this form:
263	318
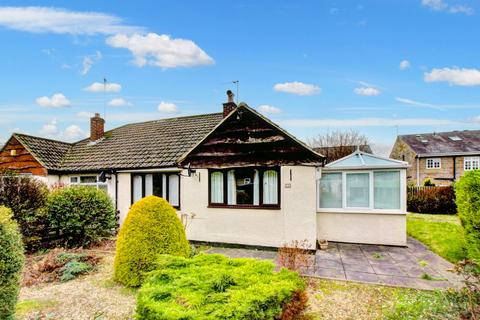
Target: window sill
226	206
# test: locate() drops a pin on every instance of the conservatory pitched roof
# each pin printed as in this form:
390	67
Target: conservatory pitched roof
362	160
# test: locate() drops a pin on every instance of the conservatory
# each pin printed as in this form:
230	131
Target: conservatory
361	198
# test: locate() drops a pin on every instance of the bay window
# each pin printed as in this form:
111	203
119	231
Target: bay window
165	185
364	190
245	187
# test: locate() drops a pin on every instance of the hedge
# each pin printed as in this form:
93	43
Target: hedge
11	263
83	215
26	197
152	227
432	200
216	287
467	191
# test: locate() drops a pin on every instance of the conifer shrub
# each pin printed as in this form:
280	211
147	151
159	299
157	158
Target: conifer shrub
151	228
11	263
82	215
210	286
467	191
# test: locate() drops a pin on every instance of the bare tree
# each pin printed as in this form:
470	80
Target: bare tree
337	144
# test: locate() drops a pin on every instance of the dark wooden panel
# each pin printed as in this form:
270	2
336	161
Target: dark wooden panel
22	162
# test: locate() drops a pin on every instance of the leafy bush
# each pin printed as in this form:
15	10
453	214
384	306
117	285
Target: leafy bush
216	287
83	215
467	191
433	200
428	183
11	263
26	197
74	268
152	227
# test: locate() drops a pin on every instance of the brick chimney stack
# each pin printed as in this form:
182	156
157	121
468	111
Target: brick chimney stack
230	105
97	127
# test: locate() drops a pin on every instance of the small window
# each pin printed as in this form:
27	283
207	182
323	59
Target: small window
434	163
471	163
358	190
73	179
331	190
254	187
88	179
164	185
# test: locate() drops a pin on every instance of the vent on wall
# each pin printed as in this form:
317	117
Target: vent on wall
455	138
13	152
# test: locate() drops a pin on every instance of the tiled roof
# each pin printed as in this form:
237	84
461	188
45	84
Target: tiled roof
438	143
48	152
158	143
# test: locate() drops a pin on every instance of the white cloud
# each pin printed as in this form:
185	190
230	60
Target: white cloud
417	103
49	129
367	91
440	5
62	21
454	76
168	107
298	88
58	100
370	122
85	114
265	108
119	102
73	132
99	87
88	62
404	64
161	50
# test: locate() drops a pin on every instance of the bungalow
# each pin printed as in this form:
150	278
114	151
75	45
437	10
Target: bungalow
236	177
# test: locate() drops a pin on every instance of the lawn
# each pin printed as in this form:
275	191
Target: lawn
96	296
443	234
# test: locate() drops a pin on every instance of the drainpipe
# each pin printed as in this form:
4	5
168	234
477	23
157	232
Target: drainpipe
116	191
418	171
454	168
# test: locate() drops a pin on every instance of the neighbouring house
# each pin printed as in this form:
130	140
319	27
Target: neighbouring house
442	157
333	153
235	177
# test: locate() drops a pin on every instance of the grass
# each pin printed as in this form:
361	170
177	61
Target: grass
443	234
345	300
33	305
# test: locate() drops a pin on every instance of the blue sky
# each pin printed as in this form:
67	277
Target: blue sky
312	66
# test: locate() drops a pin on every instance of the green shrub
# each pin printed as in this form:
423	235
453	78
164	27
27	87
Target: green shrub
74	268
152	227
26	197
433	200
216	287
83	215
11	263
467	191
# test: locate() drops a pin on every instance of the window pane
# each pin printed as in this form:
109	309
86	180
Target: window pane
73	179
103	187
231	188
137	188
244	185
331	190
173	180
270	187
387	189
157	184
358	190
216	187
88	179
148	185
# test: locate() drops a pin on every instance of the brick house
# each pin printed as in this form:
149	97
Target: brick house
440	156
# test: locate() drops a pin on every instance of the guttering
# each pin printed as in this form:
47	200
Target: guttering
366	167
447	154
171	169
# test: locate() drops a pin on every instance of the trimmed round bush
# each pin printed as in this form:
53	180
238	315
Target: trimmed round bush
83	215
152	227
11	263
210	287
467	191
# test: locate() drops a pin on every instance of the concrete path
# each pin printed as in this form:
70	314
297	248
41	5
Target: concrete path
413	267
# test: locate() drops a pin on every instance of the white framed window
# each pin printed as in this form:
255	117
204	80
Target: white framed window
89	180
363	190
471	163
434	163
165	185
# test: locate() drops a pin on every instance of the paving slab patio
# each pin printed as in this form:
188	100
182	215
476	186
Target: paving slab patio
384	265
